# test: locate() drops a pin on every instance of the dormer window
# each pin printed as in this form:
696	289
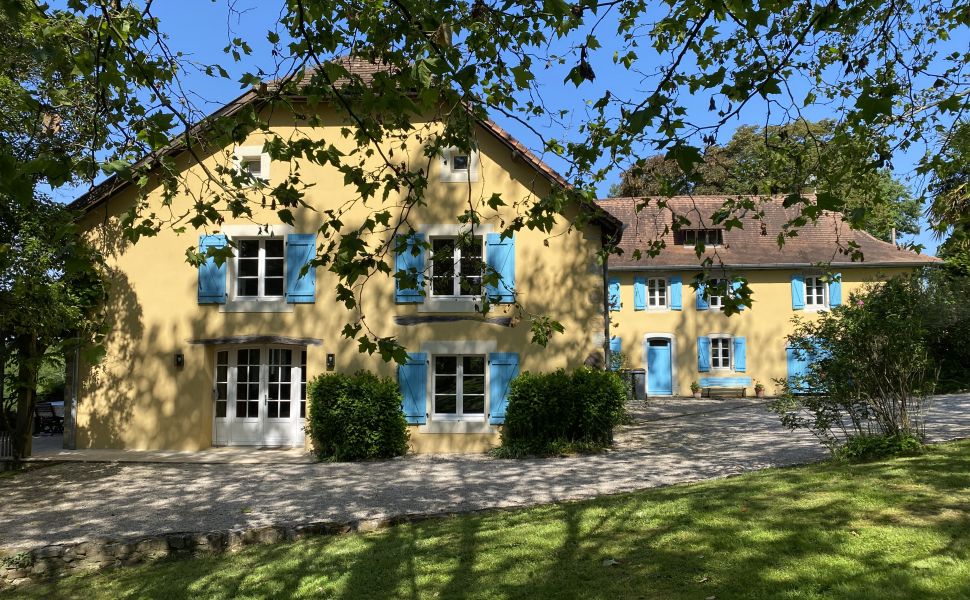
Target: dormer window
459	166
252	165
252	161
691	237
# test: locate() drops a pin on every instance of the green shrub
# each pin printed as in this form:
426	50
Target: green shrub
871	447
558	412
356	417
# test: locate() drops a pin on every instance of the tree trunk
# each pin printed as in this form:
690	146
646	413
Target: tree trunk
29	353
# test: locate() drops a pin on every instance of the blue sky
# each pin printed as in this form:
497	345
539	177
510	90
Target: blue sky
202	29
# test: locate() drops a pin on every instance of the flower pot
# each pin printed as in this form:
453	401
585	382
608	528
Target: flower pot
759	393
697	394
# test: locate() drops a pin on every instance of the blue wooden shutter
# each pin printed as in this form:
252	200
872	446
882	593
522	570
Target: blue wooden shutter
500	255
502	369
615	295
301	248
701	303
835	290
212	277
740	358
412	378
735	286
639	293
676	292
616	347
703	354
797	292
412	257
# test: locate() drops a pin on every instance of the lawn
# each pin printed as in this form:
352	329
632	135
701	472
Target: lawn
892	529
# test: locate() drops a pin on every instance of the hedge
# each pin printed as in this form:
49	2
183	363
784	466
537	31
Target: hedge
356	417
549	412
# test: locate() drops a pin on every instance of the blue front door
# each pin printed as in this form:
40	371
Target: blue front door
798	363
659	379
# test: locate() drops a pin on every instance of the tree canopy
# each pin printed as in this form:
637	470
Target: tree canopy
893	74
950	207
51	286
799	158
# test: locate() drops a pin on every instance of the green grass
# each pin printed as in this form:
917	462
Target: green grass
893	529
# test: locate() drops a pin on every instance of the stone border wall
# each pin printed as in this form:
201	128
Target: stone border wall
60	560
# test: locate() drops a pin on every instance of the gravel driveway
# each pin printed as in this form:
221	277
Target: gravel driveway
673	441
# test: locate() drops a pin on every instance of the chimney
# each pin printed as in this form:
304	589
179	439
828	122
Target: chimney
892	235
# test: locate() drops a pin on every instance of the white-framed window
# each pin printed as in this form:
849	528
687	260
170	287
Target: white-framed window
656	293
252	161
456	266
303	384
459	166
721	352
222	384
259	269
816	292
715	301
458	386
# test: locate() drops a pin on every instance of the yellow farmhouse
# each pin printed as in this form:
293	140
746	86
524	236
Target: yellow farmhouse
676	331
220	355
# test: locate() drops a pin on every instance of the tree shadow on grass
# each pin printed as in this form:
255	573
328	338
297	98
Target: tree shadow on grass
888	530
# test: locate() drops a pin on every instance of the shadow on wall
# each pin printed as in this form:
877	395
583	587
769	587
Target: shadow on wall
560	281
104	409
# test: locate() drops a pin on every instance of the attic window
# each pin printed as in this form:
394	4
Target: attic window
252	161
691	237
459	166
252	165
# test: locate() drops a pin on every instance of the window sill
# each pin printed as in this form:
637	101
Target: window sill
256	306
448	305
479	425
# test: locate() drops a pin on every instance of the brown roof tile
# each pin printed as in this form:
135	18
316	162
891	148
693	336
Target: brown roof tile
825	241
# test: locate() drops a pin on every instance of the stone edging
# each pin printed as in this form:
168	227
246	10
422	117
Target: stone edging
60	560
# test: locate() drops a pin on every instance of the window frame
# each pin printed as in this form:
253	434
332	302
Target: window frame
449	174
260	270
824	305
719	305
666	293
459	414
250	153
729	341
689	237
456	275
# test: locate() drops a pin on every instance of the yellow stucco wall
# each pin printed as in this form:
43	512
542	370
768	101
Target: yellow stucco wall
764	326
136	398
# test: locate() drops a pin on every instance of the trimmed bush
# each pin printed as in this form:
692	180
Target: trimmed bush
552	413
356	417
873	447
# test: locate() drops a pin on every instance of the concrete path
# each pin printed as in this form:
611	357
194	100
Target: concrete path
673	441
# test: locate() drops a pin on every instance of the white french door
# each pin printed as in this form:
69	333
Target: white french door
259	396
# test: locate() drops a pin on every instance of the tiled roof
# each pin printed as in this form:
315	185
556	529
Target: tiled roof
749	246
363	67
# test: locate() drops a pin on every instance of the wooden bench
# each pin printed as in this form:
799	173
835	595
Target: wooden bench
719	387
